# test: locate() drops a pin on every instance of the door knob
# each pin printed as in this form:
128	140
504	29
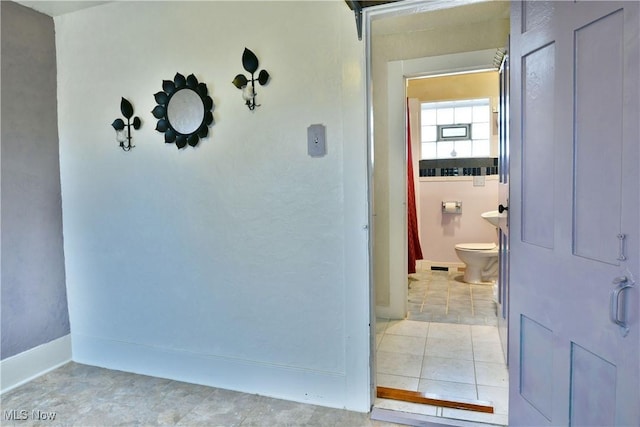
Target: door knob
502	208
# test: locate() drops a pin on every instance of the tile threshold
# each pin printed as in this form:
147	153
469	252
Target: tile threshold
420	420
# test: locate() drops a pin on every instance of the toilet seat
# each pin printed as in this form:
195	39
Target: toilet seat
476	246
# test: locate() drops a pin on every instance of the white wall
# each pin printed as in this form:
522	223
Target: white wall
440	232
241	263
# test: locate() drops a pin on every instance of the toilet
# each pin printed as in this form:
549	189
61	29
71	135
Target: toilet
481	261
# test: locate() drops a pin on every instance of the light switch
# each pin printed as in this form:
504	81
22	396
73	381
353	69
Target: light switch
316	140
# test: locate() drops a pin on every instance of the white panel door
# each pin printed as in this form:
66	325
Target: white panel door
574	329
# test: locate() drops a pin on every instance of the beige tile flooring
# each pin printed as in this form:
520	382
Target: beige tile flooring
454	360
86	396
442	296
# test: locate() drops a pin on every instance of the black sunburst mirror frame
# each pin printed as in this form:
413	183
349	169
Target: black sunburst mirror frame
163	98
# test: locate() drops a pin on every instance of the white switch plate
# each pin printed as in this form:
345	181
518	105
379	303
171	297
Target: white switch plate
316	140
478	181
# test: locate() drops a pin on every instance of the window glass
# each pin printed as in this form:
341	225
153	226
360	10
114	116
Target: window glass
480	131
444	116
429	133
475	113
480	113
428	150
463	148
481	148
444	149
456	132
463	115
428	117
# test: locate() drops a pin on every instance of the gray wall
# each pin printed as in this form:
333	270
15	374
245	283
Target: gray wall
34	299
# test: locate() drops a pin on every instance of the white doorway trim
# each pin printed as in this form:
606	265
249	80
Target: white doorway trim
397	74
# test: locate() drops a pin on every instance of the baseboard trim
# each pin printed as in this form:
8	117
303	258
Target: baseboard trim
426	265
248	376
23	367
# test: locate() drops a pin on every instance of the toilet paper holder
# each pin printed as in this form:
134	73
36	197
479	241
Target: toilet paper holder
452	207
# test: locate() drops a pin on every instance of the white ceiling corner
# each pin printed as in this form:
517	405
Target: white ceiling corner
59	7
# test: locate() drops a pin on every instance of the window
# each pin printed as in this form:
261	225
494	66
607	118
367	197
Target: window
455	129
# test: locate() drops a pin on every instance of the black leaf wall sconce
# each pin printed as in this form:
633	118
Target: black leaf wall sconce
184	110
123	131
250	64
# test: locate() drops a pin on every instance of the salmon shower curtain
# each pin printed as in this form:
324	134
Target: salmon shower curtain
413	239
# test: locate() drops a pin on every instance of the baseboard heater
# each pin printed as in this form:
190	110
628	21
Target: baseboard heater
434	400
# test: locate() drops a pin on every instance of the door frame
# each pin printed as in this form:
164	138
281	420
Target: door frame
398	72
402	69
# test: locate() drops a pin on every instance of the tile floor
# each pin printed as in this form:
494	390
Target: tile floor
454	359
442	296
86	396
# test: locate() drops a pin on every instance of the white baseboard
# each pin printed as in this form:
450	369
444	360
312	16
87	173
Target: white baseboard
23	367
425	265
279	381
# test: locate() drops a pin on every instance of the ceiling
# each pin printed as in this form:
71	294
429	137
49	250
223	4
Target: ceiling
362	4
462	14
56	8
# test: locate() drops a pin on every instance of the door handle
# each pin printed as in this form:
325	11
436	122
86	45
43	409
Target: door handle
617	315
502	208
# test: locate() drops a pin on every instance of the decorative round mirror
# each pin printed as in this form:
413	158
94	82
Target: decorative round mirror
184	110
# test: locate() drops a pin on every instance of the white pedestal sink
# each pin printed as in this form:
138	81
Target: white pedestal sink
493	217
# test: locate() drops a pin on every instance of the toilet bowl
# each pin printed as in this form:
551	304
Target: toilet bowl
481	261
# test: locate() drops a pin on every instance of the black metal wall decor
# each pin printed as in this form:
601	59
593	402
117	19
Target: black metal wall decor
123	131
184	110
250	64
